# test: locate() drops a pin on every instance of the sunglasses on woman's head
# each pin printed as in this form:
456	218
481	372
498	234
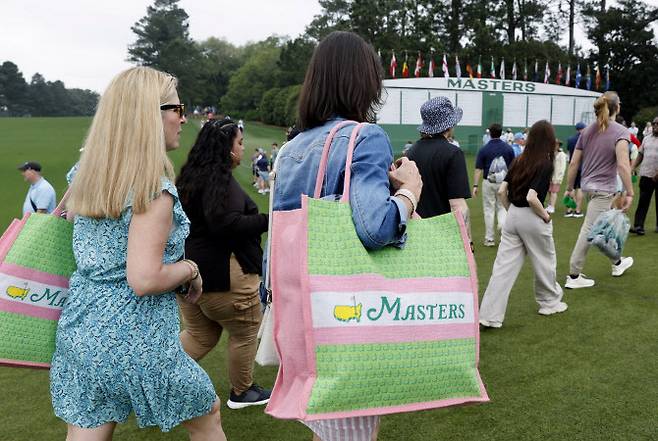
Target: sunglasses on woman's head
178	108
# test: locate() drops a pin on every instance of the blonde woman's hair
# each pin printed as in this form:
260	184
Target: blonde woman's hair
604	107
124	153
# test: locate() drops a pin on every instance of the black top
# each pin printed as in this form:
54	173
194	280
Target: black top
443	169
540	183
490	151
236	229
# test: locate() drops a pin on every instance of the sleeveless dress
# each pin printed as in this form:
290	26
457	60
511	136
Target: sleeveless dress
117	352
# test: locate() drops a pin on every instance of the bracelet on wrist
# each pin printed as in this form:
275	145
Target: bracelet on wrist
194	267
410	197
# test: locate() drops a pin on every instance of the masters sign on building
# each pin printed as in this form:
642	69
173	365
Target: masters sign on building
514	104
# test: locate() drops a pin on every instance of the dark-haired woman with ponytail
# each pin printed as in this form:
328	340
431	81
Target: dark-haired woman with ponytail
224	241
528	230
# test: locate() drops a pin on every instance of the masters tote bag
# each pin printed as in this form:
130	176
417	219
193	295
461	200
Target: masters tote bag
362	332
36	261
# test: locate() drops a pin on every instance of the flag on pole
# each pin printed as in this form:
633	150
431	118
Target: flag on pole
525	69
479	72
446	73
469	70
567	80
535	77
597	80
405	67
579	76
501	74
558	75
492	69
430	66
458	69
589	78
419	65
607	77
514	70
547	73
393	65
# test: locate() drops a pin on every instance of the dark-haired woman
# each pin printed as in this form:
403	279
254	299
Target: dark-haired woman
381	200
224	241
527	230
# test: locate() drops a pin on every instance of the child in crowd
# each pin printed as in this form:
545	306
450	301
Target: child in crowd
559	167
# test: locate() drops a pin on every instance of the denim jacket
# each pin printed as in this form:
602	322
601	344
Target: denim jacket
380	219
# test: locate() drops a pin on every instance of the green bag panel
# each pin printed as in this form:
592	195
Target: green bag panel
26	339
362	376
434	247
44	244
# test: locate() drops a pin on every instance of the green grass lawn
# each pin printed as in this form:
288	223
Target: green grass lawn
587	374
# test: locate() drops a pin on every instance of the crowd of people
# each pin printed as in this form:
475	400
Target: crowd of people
149	244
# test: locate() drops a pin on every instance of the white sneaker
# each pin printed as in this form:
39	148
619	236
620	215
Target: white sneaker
550	209
626	263
490	324
489	243
559	307
579	282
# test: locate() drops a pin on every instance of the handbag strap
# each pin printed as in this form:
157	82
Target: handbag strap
62	203
348	163
324	159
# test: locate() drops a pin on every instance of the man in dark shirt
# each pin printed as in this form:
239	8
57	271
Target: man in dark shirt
441	164
495	148
578	193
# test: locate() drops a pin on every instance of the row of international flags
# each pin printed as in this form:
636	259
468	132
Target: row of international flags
563	76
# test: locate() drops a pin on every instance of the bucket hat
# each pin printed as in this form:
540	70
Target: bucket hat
439	115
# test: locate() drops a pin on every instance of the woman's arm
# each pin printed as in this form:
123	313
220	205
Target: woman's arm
537	206
147	237
502	194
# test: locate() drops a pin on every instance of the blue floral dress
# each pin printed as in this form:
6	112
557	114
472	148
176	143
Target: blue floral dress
117	352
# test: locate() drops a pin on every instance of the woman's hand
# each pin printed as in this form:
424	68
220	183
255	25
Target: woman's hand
194	292
404	174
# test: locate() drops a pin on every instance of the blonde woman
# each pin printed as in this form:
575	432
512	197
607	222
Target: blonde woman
602	149
117	348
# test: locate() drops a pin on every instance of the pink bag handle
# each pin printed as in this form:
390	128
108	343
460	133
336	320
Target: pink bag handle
348	163
322	170
62	203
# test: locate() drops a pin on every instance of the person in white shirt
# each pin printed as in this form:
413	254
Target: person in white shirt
41	196
633	128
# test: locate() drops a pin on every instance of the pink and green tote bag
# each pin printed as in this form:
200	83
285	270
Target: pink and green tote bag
36	261
363	332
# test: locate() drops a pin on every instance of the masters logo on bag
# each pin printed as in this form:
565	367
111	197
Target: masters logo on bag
390	309
34	293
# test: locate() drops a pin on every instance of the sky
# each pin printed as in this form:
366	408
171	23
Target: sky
85	43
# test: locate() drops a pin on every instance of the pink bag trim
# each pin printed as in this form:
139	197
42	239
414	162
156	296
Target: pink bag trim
391	334
403	408
348	163
33	274
376	282
10	235
324	159
14	363
474	286
29	310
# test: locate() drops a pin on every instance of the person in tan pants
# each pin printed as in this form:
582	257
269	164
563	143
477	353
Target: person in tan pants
237	311
224	241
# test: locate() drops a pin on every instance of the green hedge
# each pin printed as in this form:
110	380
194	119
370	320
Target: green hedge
279	106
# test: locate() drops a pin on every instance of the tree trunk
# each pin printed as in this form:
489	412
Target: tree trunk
511	20
453	25
572	13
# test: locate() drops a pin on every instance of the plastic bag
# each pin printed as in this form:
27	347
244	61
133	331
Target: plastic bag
609	233
497	170
266	354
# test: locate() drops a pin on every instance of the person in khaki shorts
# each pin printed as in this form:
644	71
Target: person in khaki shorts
527	230
603	150
224	241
